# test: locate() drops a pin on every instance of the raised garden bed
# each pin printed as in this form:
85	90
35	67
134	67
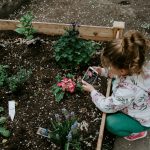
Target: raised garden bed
35	103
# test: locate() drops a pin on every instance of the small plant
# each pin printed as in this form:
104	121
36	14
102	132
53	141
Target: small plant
3	130
25	27
15	81
3	75
65	131
64	85
71	52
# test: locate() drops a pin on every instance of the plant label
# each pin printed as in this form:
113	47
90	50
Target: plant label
11	109
42	131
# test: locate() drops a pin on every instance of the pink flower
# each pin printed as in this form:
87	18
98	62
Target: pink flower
65	80
59	84
71	86
67	85
62	84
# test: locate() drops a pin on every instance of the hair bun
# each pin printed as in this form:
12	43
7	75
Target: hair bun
137	38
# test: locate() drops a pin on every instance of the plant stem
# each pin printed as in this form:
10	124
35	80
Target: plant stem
67	146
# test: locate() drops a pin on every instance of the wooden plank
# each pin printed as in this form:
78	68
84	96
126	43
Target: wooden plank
8	24
86	32
97	33
102	126
118	26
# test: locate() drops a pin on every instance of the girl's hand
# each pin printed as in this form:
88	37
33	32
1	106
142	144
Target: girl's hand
98	69
87	87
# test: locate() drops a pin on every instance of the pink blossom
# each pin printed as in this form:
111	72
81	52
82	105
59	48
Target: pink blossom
65	80
59	84
71	86
67	85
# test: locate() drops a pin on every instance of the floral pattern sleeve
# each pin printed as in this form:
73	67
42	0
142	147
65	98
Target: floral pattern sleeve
117	101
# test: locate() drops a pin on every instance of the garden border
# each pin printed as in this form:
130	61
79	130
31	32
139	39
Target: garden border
96	33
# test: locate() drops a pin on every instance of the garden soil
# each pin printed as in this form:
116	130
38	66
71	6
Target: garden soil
35	104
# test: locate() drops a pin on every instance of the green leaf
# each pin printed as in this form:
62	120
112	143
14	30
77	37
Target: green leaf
30	37
58	77
69	75
59	97
20	30
57	90
34	30
1	109
2	120
4	132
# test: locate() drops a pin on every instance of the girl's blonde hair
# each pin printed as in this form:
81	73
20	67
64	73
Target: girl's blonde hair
127	53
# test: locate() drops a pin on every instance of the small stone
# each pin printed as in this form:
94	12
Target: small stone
4	140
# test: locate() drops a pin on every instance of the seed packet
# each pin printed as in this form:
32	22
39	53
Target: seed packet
42	132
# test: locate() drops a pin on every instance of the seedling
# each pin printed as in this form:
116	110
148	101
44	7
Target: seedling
25	27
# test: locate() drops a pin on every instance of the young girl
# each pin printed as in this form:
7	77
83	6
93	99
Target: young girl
129	103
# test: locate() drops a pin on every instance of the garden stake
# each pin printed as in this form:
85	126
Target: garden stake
102	126
11	109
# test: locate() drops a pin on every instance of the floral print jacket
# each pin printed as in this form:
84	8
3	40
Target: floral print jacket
130	94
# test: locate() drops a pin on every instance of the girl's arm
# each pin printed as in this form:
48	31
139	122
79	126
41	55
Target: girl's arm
118	101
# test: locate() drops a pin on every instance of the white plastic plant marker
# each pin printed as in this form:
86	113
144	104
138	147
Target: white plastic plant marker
11	108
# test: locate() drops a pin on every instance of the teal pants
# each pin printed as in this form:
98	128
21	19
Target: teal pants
123	125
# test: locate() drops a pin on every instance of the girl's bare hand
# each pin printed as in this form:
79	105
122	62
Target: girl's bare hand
87	87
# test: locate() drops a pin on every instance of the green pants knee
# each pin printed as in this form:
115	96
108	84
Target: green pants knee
123	125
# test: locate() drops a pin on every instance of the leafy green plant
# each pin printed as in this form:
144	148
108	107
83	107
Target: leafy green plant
25	27
3	75
65	131
71	52
3	130
15	81
64	86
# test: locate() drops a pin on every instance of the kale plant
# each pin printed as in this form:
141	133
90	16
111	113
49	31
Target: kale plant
72	52
15	81
25	27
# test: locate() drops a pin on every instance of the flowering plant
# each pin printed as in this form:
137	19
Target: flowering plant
64	86
65	131
67	85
